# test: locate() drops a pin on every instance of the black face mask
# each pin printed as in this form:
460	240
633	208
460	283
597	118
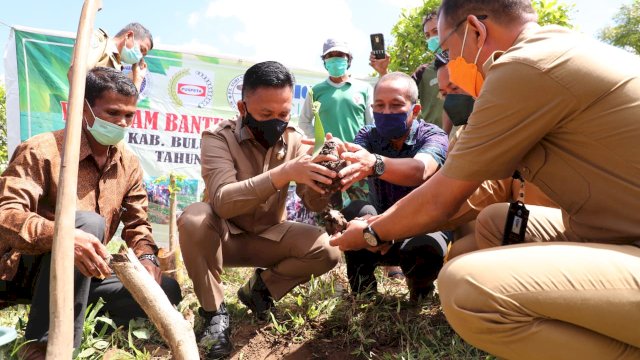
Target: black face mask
459	107
265	132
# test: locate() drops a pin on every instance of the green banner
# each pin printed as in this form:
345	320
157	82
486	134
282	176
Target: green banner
182	95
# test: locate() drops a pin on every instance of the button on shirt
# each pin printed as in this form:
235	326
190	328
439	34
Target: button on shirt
563	109
235	169
424	138
29	189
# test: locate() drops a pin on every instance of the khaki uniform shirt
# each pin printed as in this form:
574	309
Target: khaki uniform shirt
492	192
103	51
563	109
29	190
235	169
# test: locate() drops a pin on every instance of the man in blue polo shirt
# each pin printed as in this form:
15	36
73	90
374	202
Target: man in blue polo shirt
396	155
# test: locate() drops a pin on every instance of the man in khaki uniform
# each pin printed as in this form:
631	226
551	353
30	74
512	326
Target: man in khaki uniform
553	107
458	105
129	46
247	165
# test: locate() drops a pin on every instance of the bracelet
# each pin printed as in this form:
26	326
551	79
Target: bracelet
151	258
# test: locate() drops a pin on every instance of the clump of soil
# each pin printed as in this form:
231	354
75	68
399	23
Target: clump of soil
330	147
334	221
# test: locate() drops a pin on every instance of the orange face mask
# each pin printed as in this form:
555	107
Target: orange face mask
465	75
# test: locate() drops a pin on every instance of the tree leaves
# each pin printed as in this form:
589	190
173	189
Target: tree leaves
410	49
625	33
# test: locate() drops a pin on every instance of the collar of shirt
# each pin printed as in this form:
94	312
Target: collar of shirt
336	85
113	49
526	32
115	151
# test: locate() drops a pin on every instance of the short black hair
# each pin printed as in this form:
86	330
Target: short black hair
140	32
429	16
266	74
440	61
101	79
500	11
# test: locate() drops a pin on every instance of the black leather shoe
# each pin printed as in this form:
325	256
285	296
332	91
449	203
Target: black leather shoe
419	291
216	337
255	295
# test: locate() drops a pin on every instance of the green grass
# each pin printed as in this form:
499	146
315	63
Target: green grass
320	315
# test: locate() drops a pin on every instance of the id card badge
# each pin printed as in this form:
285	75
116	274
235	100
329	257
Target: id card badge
517	217
516	225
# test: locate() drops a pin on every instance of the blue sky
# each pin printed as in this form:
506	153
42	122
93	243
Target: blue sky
290	31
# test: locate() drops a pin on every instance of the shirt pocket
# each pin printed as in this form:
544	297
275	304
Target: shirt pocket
556	178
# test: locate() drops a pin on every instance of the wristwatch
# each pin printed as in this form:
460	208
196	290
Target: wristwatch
378	166
151	258
370	236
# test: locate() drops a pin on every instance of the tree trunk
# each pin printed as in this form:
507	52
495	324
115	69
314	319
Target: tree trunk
173	328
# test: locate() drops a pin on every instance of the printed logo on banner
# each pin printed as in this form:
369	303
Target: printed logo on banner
190	87
234	91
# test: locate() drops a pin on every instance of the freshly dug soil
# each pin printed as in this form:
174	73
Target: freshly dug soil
334	221
331	148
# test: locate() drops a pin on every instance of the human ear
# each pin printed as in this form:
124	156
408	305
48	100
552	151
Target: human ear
479	29
241	108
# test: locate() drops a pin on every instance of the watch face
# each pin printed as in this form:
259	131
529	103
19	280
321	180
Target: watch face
370	239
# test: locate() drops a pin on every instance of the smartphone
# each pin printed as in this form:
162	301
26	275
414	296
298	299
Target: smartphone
377	45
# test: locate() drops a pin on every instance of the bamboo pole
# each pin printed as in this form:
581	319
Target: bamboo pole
174	329
60	344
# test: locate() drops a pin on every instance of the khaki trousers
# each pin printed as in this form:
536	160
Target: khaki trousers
303	251
554	299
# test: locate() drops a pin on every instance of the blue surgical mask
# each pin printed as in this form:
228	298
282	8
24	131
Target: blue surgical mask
131	55
104	132
336	66
433	44
392	126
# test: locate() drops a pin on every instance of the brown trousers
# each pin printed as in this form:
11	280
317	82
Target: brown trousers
552	299
303	251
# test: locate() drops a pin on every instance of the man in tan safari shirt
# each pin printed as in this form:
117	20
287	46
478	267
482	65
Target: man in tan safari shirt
247	165
553	107
129	46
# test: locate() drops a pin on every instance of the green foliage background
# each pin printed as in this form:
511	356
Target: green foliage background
410	50
626	33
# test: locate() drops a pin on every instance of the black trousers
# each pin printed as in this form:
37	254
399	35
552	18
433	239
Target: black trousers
420	257
118	301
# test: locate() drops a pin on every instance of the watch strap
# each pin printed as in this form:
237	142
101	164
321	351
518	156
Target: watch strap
150	257
378	166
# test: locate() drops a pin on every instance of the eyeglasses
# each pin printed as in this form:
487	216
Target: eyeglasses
479	17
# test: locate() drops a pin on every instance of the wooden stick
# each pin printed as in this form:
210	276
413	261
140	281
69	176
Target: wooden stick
60	344
174	245
174	329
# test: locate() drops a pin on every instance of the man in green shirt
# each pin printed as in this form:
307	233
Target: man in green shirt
345	102
345	106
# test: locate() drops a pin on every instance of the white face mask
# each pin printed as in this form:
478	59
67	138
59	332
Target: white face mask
131	55
104	132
